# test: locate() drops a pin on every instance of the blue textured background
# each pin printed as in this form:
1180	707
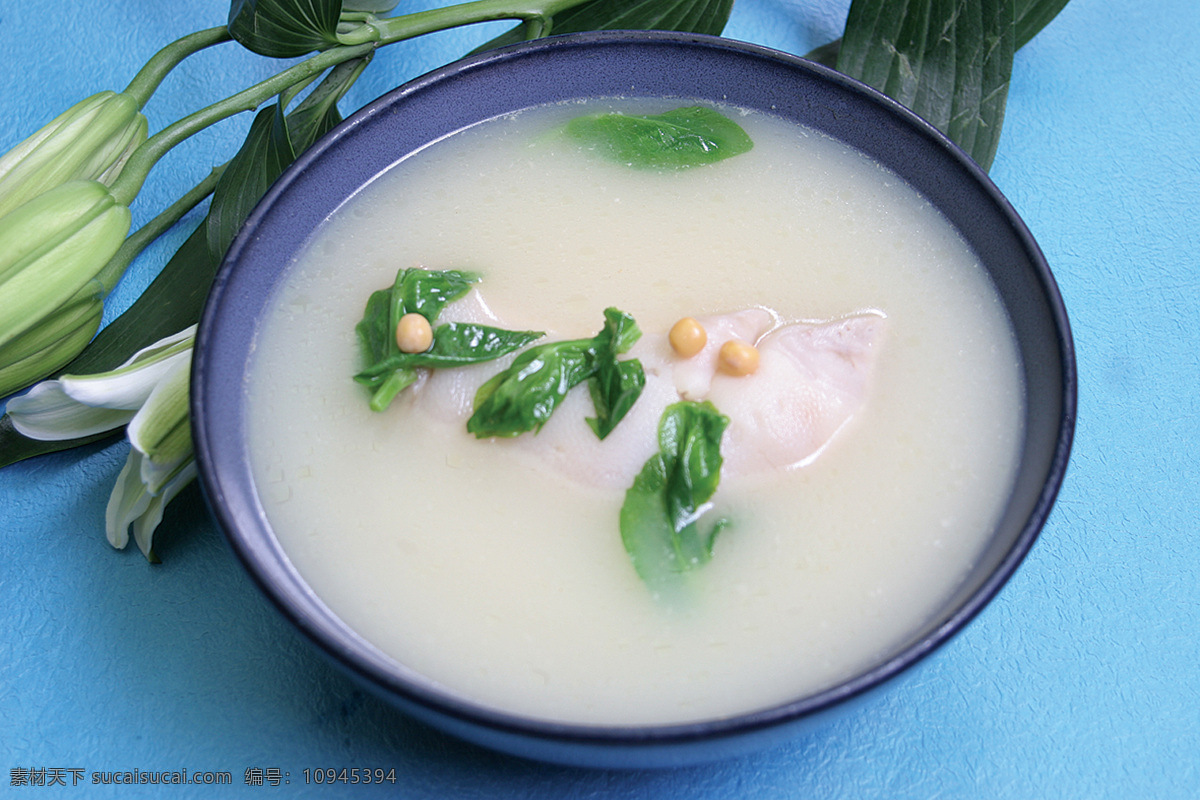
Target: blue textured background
1082	680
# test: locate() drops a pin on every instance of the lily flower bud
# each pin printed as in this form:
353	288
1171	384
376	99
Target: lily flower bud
56	341
53	251
92	140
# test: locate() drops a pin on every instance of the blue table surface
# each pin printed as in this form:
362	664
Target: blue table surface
1081	680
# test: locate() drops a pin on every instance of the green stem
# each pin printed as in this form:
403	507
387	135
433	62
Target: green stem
387	391
143	236
161	63
535	13
145	157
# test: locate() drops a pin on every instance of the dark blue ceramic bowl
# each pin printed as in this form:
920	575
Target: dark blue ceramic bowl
621	64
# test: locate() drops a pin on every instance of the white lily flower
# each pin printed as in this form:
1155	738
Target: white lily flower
149	394
160	461
80	405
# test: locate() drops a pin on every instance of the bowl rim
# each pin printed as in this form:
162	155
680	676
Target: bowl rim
371	667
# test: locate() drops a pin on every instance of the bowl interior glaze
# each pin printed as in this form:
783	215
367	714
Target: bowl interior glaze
620	64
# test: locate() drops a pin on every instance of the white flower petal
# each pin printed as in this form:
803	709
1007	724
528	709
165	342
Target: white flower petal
156	475
125	387
160	430
144	526
48	413
163	348
130	384
128	501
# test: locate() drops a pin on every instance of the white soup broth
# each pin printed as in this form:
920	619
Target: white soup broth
497	571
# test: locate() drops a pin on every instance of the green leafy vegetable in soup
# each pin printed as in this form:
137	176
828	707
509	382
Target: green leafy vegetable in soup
424	292
660	519
521	398
678	139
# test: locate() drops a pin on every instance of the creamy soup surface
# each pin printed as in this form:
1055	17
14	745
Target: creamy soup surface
498	573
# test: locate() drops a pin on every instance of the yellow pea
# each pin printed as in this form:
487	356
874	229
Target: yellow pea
414	334
738	358
687	337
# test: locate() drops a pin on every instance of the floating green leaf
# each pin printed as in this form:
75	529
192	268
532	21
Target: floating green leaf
430	290
425	292
678	139
661	513
522	398
455	344
616	384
